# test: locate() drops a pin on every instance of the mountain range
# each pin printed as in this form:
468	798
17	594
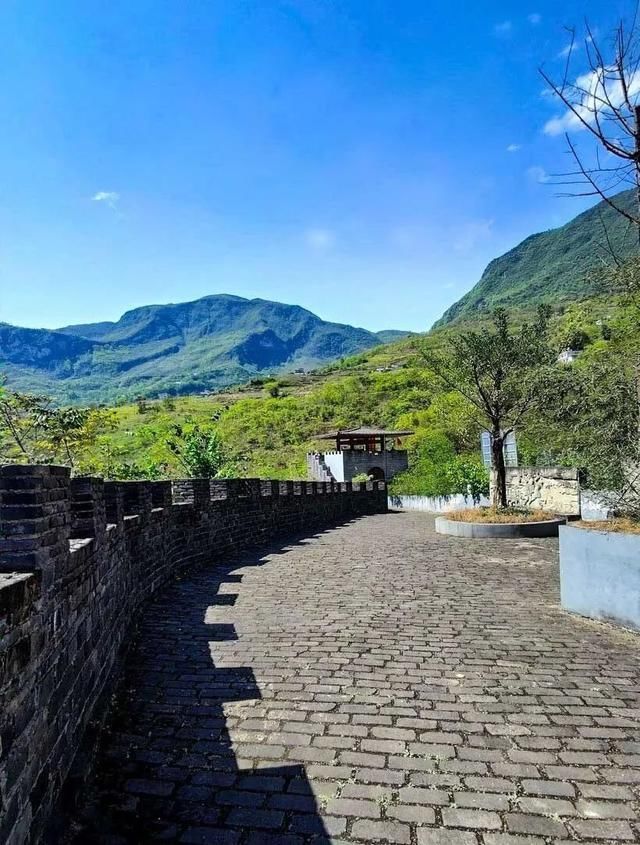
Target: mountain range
181	348
221	340
553	266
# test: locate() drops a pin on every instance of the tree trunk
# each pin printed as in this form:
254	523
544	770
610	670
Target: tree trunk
636	164
500	487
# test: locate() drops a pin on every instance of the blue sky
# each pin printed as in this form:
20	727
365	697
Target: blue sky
362	158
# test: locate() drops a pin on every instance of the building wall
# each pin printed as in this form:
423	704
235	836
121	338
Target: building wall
335	462
77	559
347	464
553	489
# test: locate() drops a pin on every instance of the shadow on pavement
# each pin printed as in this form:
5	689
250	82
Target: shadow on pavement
165	769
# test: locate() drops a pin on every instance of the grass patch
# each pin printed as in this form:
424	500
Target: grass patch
499	515
621	525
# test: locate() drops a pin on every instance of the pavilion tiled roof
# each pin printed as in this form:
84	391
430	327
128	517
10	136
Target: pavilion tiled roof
362	431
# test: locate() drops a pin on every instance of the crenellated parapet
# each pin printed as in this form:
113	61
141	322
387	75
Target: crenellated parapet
78	556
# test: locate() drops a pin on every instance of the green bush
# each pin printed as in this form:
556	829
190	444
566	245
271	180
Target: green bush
436	470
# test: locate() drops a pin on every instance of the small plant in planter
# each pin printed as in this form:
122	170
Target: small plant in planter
492	522
500	516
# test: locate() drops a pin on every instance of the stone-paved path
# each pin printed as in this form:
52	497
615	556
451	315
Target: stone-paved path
374	683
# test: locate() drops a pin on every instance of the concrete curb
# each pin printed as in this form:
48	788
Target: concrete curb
505	530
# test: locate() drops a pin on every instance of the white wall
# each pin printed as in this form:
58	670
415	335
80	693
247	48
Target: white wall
435	504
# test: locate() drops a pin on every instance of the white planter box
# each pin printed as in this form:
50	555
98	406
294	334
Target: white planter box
600	574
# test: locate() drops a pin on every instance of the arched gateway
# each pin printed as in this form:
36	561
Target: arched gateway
375	452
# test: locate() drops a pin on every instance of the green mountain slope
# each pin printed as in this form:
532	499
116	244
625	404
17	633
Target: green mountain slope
178	348
551	266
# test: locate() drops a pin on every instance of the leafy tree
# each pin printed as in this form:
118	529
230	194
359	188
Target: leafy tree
574	338
199	451
436	470
499	372
468	476
32	429
589	418
18	428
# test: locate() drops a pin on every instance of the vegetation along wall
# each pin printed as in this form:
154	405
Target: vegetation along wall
77	558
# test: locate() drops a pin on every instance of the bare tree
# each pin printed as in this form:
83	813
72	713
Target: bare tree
604	101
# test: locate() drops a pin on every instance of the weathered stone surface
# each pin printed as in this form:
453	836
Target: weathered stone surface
553	489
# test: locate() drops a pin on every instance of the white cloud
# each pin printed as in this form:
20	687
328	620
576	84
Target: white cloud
596	86
110	198
470	234
503	29
513	148
320	239
534	19
570	48
538	174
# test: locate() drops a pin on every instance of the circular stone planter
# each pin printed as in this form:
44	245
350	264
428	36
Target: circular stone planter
489	530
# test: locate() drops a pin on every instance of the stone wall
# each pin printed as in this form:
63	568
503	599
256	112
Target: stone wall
553	489
77	558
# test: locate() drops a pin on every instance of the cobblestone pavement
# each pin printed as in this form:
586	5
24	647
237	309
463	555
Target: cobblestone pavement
374	683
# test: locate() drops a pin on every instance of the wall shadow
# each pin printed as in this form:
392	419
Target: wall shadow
164	769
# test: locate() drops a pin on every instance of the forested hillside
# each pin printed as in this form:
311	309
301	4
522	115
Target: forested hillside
553	267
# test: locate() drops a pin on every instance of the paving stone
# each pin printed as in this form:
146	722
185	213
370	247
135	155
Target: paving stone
360	808
606	791
354	707
140	786
476	819
249	818
489	784
537	825
209	836
445	837
595	829
482	800
414	813
387	831
415	795
605	810
547	806
555	788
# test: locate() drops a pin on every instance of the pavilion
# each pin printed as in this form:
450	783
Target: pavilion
359	451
